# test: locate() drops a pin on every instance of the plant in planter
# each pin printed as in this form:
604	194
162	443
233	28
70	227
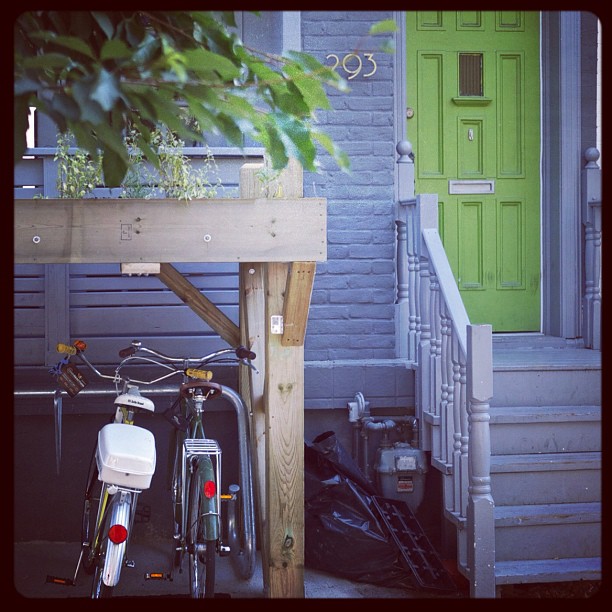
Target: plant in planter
176	177
79	174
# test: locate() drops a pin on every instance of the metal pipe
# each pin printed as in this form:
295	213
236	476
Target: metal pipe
92	392
384	424
245	558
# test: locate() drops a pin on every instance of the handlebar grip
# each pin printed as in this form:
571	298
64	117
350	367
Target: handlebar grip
126	352
243	352
78	346
199	374
65	348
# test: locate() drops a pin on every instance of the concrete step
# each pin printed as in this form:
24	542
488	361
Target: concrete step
546	478
547	531
548	570
547	386
545	429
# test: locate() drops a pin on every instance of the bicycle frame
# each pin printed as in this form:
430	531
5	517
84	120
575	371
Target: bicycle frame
193	442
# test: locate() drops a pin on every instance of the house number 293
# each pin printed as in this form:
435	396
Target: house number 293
352	64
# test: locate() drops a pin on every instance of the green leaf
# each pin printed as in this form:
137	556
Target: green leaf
296	137
383	27
66	106
227	126
105	90
274	147
115	49
24	85
105	23
45	61
202	61
74	44
387	46
89	109
341	158
312	91
114	168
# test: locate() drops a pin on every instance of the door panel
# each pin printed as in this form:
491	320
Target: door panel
473	84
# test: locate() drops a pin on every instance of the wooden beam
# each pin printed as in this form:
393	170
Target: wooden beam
284	401
200	304
125	230
297	302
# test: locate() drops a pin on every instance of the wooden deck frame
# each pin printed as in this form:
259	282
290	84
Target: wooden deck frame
277	243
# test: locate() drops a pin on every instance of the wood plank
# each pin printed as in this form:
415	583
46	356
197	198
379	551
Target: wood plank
200	304
127	231
297	302
127	321
253	335
284	400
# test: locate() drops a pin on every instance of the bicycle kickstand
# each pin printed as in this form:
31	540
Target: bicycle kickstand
67	581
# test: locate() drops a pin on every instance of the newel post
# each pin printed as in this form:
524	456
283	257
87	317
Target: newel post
481	508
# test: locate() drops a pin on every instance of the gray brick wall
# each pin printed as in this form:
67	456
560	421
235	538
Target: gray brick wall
352	311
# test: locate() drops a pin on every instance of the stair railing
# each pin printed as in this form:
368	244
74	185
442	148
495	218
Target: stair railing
453	377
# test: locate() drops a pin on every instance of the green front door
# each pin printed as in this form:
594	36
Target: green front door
473	95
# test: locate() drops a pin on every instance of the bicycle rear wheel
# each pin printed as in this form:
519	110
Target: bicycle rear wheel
91	503
203	532
94	555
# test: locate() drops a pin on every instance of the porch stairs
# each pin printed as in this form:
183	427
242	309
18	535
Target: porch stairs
546	460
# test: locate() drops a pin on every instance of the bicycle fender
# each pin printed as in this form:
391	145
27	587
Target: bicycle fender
115	553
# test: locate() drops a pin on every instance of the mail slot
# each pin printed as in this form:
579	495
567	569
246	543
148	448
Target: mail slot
458	187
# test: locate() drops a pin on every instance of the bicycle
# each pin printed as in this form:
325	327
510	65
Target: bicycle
196	475
123	463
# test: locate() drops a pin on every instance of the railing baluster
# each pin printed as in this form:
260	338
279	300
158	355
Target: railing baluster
591	219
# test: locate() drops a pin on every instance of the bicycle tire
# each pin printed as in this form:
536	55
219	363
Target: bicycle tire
175	460
99	590
203	531
93	491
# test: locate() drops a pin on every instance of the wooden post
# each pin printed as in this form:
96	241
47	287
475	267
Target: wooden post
278	292
284	400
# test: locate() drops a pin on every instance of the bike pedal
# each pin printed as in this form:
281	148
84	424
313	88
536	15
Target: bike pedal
224	550
158	576
62	581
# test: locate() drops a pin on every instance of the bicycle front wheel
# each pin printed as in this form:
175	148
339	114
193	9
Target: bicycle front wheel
203	532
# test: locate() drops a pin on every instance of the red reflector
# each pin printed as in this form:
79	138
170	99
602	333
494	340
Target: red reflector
210	488
117	534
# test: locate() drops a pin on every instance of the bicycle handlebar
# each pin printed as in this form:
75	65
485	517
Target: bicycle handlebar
240	354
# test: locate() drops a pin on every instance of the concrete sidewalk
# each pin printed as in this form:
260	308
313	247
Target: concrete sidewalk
33	561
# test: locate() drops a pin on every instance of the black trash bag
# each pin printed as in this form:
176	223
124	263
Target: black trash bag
329	448
343	535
